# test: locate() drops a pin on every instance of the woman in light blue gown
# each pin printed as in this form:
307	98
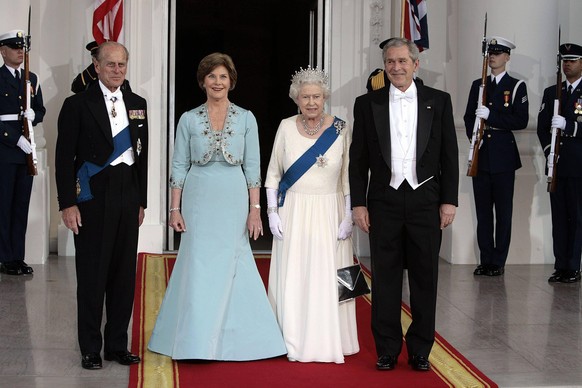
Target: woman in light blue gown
215	306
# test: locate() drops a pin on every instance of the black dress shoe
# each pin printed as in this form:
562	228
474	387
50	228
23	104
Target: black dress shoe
25	268
386	362
123	357
495	270
569	277
480	270
91	361
419	363
11	268
555	276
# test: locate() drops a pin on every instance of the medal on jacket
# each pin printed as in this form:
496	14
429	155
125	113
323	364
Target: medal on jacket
506	95
78	187
138	146
578	107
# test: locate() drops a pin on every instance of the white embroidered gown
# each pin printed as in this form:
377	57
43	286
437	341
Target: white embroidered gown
302	279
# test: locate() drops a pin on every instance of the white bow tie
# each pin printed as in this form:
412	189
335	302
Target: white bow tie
408	96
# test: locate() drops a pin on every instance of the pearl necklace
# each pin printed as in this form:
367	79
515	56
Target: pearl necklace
315	129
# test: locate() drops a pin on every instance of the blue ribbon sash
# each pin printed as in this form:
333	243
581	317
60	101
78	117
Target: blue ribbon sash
308	159
121	142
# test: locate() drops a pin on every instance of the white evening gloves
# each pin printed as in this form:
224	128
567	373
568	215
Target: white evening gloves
345	228
274	219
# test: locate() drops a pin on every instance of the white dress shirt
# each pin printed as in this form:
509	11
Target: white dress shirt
403	122
119	122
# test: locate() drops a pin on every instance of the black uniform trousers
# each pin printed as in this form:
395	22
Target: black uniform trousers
105	258
15	191
494	191
405	227
566	204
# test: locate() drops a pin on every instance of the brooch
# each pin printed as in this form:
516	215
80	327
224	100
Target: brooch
321	161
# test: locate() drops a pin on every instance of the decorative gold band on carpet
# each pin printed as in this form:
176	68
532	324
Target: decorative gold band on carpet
155	370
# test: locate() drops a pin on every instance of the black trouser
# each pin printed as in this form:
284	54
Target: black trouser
106	250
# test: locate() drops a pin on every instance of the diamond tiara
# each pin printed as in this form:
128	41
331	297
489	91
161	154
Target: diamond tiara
309	74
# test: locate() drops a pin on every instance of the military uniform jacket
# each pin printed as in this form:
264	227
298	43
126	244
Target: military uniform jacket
508	111
84	134
570	160
11	103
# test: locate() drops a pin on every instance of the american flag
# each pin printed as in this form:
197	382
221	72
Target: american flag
415	24
108	21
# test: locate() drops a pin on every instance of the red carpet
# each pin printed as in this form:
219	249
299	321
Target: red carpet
450	368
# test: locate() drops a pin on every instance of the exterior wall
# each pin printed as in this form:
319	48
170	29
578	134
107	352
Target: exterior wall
452	62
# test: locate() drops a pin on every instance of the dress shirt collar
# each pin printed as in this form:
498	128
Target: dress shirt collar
13	71
107	94
498	77
574	84
409	94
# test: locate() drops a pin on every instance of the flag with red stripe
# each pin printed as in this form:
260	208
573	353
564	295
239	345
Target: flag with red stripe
108	21
415	23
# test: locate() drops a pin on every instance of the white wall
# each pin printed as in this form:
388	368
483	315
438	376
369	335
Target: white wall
61	28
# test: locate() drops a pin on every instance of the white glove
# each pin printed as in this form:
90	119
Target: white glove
482	112
274	220
558	122
29	114
275	225
345	228
24	145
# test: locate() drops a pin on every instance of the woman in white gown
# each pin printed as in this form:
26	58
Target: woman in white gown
215	306
310	217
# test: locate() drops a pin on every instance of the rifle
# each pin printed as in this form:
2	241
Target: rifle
556	133
479	126
28	131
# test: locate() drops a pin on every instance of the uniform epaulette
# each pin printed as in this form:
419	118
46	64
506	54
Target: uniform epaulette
377	80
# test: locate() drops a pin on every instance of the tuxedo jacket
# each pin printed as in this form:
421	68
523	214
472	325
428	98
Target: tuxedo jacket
570	161
84	135
508	111
436	145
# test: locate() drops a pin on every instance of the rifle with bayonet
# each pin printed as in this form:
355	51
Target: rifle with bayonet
554	155
28	131
479	126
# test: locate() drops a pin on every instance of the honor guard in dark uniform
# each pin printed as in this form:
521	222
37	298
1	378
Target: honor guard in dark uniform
89	76
378	78
566	199
505	111
15	181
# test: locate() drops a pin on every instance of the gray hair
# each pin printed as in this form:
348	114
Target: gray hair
309	76
401	42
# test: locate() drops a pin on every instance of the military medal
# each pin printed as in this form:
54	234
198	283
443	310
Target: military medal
138	146
78	187
506	95
578	106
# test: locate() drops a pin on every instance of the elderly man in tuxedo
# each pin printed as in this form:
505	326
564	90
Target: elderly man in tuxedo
404	177
101	174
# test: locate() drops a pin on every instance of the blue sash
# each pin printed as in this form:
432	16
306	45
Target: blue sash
121	142
307	160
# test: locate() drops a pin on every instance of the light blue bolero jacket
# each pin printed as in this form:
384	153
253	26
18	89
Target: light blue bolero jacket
196	143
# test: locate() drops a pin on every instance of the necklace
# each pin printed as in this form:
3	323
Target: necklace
315	129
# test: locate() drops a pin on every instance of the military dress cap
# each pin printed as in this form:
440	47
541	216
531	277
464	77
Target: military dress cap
92	46
498	44
570	51
13	39
384	42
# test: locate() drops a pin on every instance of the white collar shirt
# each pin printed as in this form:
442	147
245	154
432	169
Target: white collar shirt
403	123
114	102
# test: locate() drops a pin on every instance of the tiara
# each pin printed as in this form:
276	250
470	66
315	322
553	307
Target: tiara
308	74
